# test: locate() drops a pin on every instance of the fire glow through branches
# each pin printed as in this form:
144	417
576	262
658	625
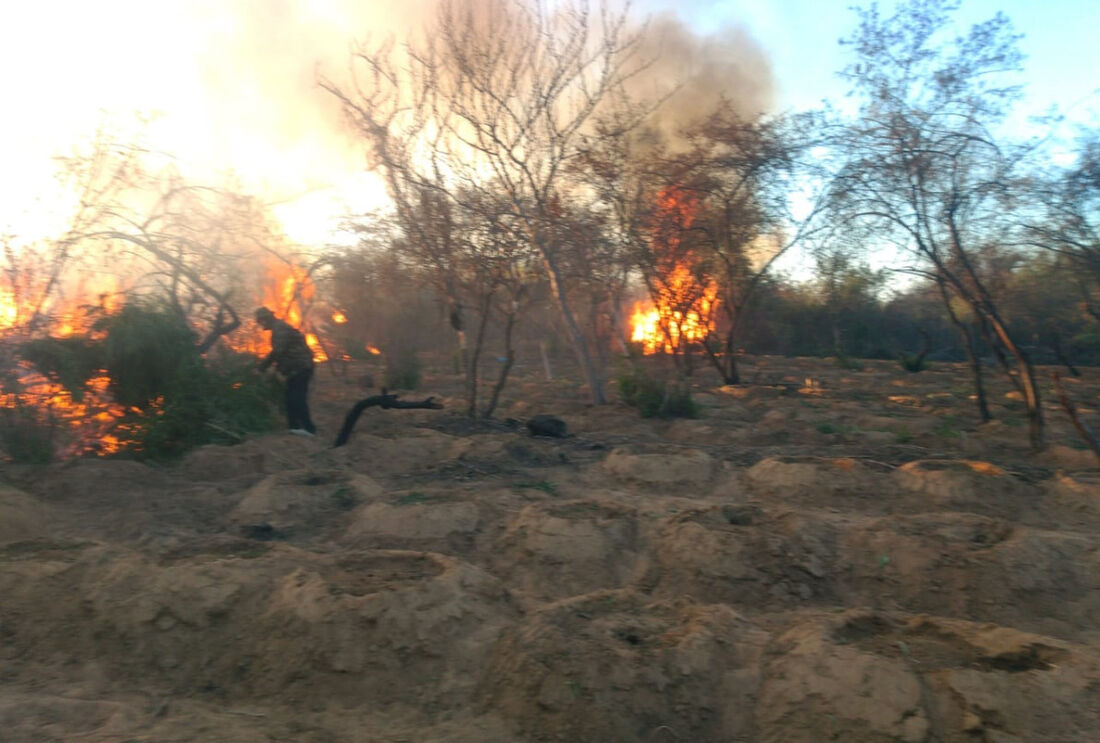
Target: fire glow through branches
683	299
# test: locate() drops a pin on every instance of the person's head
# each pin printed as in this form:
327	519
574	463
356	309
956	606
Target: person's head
265	317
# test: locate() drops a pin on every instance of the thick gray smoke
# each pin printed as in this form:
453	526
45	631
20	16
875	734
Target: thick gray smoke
703	70
261	58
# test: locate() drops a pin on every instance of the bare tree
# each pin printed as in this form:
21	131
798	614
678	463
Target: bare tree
924	168
1068	223
496	96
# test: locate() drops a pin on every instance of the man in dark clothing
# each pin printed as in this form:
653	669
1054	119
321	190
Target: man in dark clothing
292	358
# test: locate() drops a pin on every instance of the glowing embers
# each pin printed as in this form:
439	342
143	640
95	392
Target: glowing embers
683	297
87	423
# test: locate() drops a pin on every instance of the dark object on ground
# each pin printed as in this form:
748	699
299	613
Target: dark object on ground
548	425
263	532
383	401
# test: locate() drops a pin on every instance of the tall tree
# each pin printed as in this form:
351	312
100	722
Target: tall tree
497	96
924	166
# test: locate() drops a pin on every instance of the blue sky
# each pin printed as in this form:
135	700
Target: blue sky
801	36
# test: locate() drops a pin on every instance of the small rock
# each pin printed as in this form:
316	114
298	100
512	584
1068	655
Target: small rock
741	515
971	723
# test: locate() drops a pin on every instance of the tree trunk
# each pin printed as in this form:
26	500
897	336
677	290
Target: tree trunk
592	374
509	361
971	355
1027	382
472	371
1060	354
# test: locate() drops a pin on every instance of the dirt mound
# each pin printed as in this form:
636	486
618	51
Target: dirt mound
964	485
873	677
278	621
567	548
610	667
745	556
788	567
295	502
822	480
416	519
380	456
660	467
22	516
975	567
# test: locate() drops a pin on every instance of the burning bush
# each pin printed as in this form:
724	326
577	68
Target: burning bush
135	384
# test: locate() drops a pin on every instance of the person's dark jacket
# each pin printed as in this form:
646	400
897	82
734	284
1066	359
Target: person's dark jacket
289	351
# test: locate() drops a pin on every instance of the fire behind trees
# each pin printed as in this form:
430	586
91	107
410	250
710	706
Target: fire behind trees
546	204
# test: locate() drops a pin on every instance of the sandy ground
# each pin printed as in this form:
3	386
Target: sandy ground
826	554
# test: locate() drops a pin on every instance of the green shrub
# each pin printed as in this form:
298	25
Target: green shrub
219	402
655	398
912	364
402	371
844	361
69	362
147	349
24	438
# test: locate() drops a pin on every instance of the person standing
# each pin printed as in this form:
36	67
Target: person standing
292	358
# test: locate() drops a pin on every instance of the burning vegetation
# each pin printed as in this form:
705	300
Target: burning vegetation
553	199
127	374
683	297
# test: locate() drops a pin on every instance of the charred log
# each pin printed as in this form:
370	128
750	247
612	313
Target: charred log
384	400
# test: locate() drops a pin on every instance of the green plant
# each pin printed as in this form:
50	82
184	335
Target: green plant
220	402
344	497
844	361
147	349
402	371
655	398
544	485
413	498
69	362
25	438
912	363
901	436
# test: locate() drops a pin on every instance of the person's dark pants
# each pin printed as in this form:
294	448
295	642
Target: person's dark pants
297	400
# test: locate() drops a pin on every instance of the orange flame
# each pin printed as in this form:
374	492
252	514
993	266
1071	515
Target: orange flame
84	425
339	317
287	291
683	312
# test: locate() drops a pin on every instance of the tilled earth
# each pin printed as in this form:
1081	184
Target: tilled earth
823	555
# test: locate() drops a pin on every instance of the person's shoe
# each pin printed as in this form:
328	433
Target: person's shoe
301	432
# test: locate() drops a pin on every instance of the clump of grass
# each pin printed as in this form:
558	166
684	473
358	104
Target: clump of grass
542	485
844	361
24	438
402	371
912	363
655	398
